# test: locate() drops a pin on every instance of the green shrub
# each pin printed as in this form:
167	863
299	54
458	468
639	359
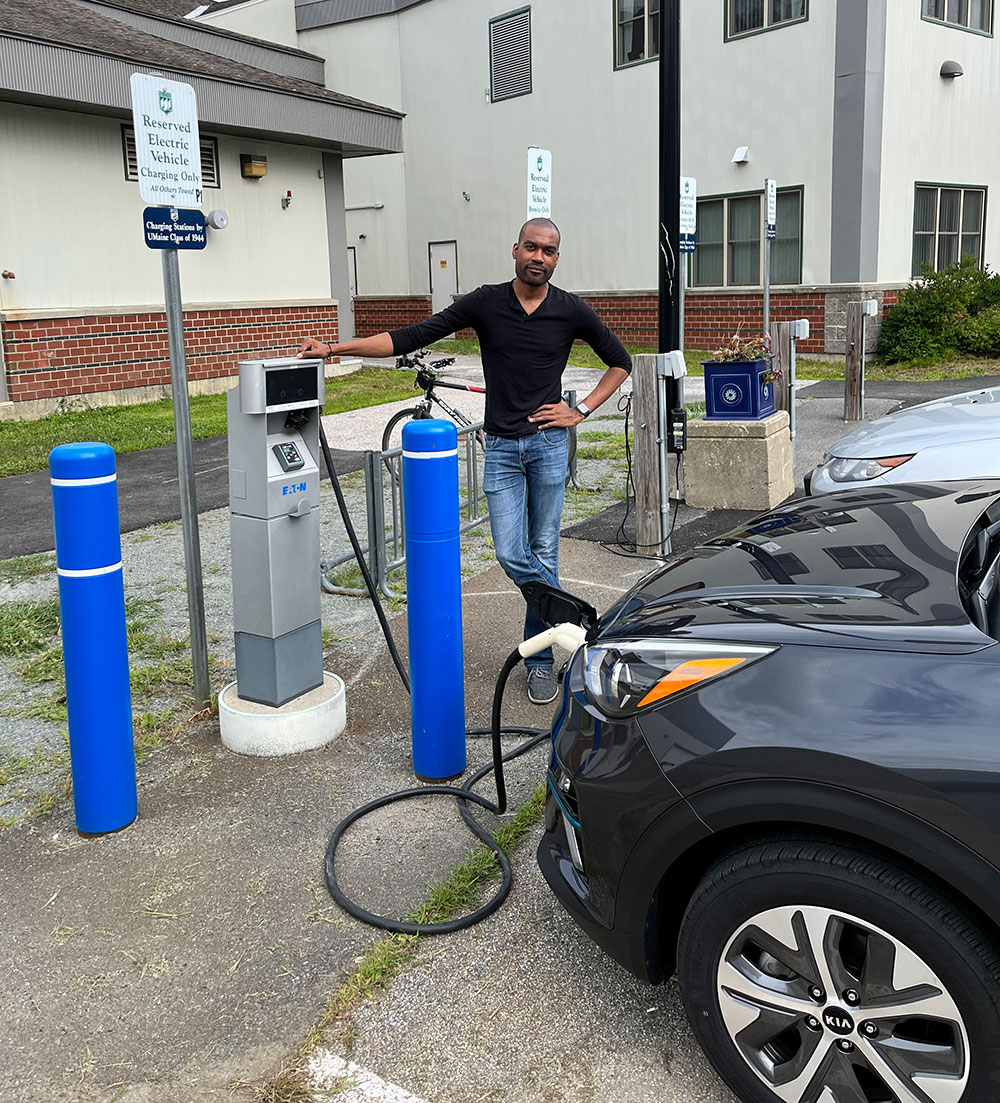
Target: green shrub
938	316
982	333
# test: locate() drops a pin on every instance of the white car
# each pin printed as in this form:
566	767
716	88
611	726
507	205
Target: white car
948	438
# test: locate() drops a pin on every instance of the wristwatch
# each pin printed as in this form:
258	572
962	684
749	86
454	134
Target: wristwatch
582	408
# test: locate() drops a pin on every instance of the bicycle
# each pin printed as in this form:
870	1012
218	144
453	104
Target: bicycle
427	380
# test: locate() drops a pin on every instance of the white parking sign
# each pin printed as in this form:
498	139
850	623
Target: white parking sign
167	148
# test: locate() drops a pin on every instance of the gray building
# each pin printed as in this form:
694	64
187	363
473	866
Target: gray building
852	106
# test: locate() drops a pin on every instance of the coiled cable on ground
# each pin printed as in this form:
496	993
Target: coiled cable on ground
463	793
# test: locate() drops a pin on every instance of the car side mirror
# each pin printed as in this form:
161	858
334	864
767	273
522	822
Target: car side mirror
553	606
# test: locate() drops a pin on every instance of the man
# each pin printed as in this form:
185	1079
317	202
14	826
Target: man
526	329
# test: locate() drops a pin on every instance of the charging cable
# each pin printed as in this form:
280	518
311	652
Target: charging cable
570	636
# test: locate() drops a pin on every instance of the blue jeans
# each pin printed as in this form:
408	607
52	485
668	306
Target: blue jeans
524	480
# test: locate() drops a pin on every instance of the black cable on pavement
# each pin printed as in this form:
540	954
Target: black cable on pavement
462	793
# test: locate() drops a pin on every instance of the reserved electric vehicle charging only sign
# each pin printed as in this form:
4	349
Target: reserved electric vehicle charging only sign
167	147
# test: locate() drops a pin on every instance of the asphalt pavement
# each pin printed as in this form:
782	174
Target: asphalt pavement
197	948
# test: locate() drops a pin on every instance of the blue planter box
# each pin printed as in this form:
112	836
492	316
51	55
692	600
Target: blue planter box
736	391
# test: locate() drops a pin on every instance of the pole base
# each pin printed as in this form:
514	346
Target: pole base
302	724
437	780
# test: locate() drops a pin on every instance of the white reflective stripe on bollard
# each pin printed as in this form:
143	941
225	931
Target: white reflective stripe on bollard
84	482
89	572
430	455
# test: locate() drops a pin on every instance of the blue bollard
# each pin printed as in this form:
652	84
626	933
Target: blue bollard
434	598
95	653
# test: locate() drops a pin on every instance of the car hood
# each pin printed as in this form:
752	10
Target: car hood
862	567
973	417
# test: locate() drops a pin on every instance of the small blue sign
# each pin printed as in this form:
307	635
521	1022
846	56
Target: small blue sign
770	231
687	243
173	228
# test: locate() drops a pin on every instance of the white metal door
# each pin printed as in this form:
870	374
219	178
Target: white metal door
444	273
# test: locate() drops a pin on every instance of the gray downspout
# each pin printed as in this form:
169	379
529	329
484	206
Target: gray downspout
859	86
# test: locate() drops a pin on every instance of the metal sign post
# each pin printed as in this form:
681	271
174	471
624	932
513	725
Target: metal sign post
770	232
168	154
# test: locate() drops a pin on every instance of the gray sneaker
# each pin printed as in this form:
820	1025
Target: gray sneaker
542	685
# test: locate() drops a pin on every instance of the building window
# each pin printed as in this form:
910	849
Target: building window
209	158
730	236
637	31
745	17
974	15
947	225
510	55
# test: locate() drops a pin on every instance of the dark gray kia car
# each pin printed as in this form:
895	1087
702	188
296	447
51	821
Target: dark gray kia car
776	770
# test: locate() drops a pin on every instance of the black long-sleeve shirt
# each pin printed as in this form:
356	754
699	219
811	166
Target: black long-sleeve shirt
523	354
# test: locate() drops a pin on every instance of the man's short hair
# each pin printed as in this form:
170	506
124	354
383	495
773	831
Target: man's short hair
538	222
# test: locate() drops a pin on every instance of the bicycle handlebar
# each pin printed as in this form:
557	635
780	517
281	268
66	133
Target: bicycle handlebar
415	361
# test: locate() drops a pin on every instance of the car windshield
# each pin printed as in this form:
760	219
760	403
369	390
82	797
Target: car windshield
979	573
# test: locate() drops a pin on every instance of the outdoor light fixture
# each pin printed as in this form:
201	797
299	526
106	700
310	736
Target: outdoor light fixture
950	70
253	165
466	196
741	155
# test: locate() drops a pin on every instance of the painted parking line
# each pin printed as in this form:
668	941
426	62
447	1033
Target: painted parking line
353	1083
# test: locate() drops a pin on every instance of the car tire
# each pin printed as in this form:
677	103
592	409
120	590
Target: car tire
868	1020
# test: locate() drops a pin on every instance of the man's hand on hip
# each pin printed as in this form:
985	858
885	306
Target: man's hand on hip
555	414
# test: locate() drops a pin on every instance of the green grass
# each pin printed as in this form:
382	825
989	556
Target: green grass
25	445
22	568
806	367
27	626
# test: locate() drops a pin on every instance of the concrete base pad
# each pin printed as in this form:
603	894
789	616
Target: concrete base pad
738	464
303	724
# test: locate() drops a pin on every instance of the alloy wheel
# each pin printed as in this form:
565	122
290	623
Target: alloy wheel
827	1008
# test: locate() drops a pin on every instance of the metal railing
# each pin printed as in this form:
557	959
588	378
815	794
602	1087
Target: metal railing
384	513
384	504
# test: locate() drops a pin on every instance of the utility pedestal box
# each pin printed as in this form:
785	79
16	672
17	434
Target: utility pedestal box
274	455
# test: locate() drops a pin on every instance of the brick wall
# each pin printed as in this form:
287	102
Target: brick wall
55	357
711	318
373	316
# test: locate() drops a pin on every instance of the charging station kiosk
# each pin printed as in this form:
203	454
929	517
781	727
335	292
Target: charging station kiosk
274	453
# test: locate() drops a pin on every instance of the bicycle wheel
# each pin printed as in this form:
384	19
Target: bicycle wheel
392	434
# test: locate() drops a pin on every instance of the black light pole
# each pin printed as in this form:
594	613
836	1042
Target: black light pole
670	174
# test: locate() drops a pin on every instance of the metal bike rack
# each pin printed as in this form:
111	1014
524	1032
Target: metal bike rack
384	502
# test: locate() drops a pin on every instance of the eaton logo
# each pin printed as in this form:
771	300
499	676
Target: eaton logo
294	488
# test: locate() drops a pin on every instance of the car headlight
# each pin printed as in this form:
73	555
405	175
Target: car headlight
857	471
625	676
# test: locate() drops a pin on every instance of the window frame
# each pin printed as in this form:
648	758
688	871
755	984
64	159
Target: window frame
749	287
203	140
616	25
963	188
531	76
727	36
961	26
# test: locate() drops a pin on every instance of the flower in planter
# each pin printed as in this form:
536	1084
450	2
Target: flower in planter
744	349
